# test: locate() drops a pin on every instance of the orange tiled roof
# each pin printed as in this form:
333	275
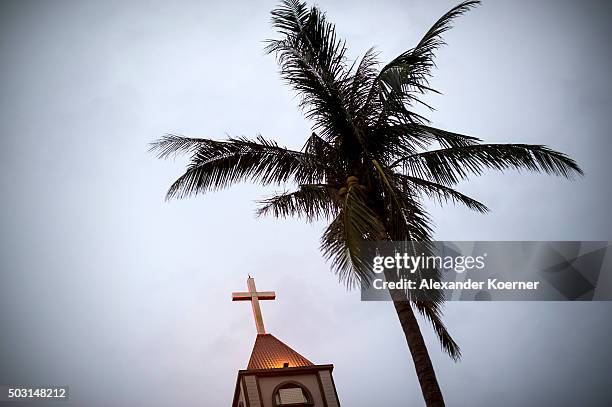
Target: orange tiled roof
270	353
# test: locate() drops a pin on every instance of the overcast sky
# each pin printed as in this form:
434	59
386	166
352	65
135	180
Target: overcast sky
126	298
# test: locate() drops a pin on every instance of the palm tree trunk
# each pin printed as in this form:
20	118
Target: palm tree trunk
422	363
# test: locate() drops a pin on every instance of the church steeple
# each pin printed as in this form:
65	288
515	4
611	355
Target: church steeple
277	375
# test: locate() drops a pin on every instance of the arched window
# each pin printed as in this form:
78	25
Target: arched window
292	394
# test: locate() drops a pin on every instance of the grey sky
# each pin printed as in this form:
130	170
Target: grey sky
126	298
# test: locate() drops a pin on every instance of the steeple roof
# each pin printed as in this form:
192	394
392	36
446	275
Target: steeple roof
271	353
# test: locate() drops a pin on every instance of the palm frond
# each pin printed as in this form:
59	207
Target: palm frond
290	17
449	165
418	61
310	34
432	40
406	76
218	164
405	218
445	138
312	60
441	193
335	250
394	141
172	145
318	147
314	202
432	312
361	82
342	242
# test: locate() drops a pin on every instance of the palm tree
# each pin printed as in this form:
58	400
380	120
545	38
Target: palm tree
369	163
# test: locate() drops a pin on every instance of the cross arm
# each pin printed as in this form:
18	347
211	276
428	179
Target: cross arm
241	296
247	296
266	295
